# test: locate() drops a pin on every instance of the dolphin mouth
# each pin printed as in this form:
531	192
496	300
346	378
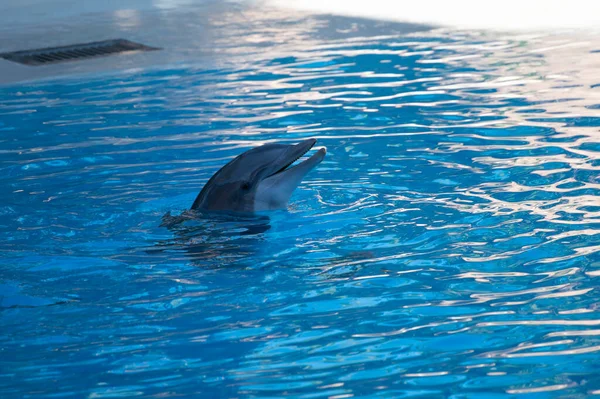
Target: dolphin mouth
297	152
274	191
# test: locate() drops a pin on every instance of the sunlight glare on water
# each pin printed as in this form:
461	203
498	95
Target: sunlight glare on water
447	246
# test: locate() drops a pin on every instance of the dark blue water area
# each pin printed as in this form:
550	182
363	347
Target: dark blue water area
447	246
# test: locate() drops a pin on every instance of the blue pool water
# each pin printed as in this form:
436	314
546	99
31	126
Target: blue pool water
448	245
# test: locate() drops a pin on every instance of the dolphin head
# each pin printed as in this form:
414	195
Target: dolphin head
259	179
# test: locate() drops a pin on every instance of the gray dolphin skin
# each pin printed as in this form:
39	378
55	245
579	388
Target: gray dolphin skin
260	179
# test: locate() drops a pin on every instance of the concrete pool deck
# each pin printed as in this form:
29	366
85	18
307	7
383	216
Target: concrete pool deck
183	31
190	32
209	33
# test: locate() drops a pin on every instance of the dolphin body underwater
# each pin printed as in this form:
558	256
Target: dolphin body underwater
260	179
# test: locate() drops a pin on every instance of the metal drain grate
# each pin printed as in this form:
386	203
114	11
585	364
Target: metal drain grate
75	52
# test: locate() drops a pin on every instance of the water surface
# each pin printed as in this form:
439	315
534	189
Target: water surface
448	245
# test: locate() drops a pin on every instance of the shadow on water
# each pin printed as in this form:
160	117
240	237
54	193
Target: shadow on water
221	239
213	239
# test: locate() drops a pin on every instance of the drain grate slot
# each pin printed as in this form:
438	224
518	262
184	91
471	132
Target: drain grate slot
75	52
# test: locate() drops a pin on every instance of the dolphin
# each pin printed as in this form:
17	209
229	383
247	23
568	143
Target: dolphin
260	179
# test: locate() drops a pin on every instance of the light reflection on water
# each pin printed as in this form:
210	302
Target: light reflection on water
447	245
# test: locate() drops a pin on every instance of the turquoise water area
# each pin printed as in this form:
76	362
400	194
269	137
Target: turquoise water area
448	245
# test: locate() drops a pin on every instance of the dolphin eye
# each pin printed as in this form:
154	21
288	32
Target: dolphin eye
246	186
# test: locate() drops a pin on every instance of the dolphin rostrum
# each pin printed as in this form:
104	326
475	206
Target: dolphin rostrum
259	179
